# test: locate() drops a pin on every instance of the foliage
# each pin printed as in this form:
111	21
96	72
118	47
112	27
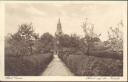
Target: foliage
91	65
46	43
23	54
64	40
90	36
72	42
28	65
21	42
116	37
28	54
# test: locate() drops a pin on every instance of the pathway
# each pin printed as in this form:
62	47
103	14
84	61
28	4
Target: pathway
57	68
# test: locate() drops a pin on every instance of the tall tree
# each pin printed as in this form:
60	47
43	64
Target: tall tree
90	37
115	35
47	42
24	38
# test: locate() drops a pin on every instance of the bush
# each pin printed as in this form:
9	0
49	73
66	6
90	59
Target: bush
26	65
83	65
46	43
26	53
21	43
107	54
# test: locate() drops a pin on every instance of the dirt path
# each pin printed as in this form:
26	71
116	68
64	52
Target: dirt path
57	68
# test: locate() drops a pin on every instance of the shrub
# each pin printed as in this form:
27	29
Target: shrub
84	65
26	53
45	43
27	65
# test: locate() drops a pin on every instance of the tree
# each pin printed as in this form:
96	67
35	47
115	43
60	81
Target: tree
75	41
72	43
115	35
90	37
46	42
64	41
23	39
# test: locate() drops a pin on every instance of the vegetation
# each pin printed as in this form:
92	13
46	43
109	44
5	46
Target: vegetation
26	53
92	65
45	44
100	62
116	37
90	37
89	56
27	65
21	43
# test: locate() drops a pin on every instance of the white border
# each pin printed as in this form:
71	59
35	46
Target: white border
58	78
2	15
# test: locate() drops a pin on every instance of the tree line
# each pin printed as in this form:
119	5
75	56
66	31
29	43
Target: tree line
26	41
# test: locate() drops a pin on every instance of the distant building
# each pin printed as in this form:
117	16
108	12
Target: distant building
59	29
58	33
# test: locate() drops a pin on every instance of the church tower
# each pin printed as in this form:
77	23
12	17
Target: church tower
58	34
59	29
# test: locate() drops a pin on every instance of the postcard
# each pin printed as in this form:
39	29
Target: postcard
63	40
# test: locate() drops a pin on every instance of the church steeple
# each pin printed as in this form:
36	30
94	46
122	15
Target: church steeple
59	28
59	21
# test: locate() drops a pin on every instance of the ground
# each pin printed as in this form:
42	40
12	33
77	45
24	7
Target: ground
57	68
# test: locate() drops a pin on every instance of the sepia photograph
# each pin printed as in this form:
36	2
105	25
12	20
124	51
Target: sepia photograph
65	39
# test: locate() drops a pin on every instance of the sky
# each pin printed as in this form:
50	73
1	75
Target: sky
44	16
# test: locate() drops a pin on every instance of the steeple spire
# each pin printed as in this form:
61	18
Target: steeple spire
59	21
59	28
